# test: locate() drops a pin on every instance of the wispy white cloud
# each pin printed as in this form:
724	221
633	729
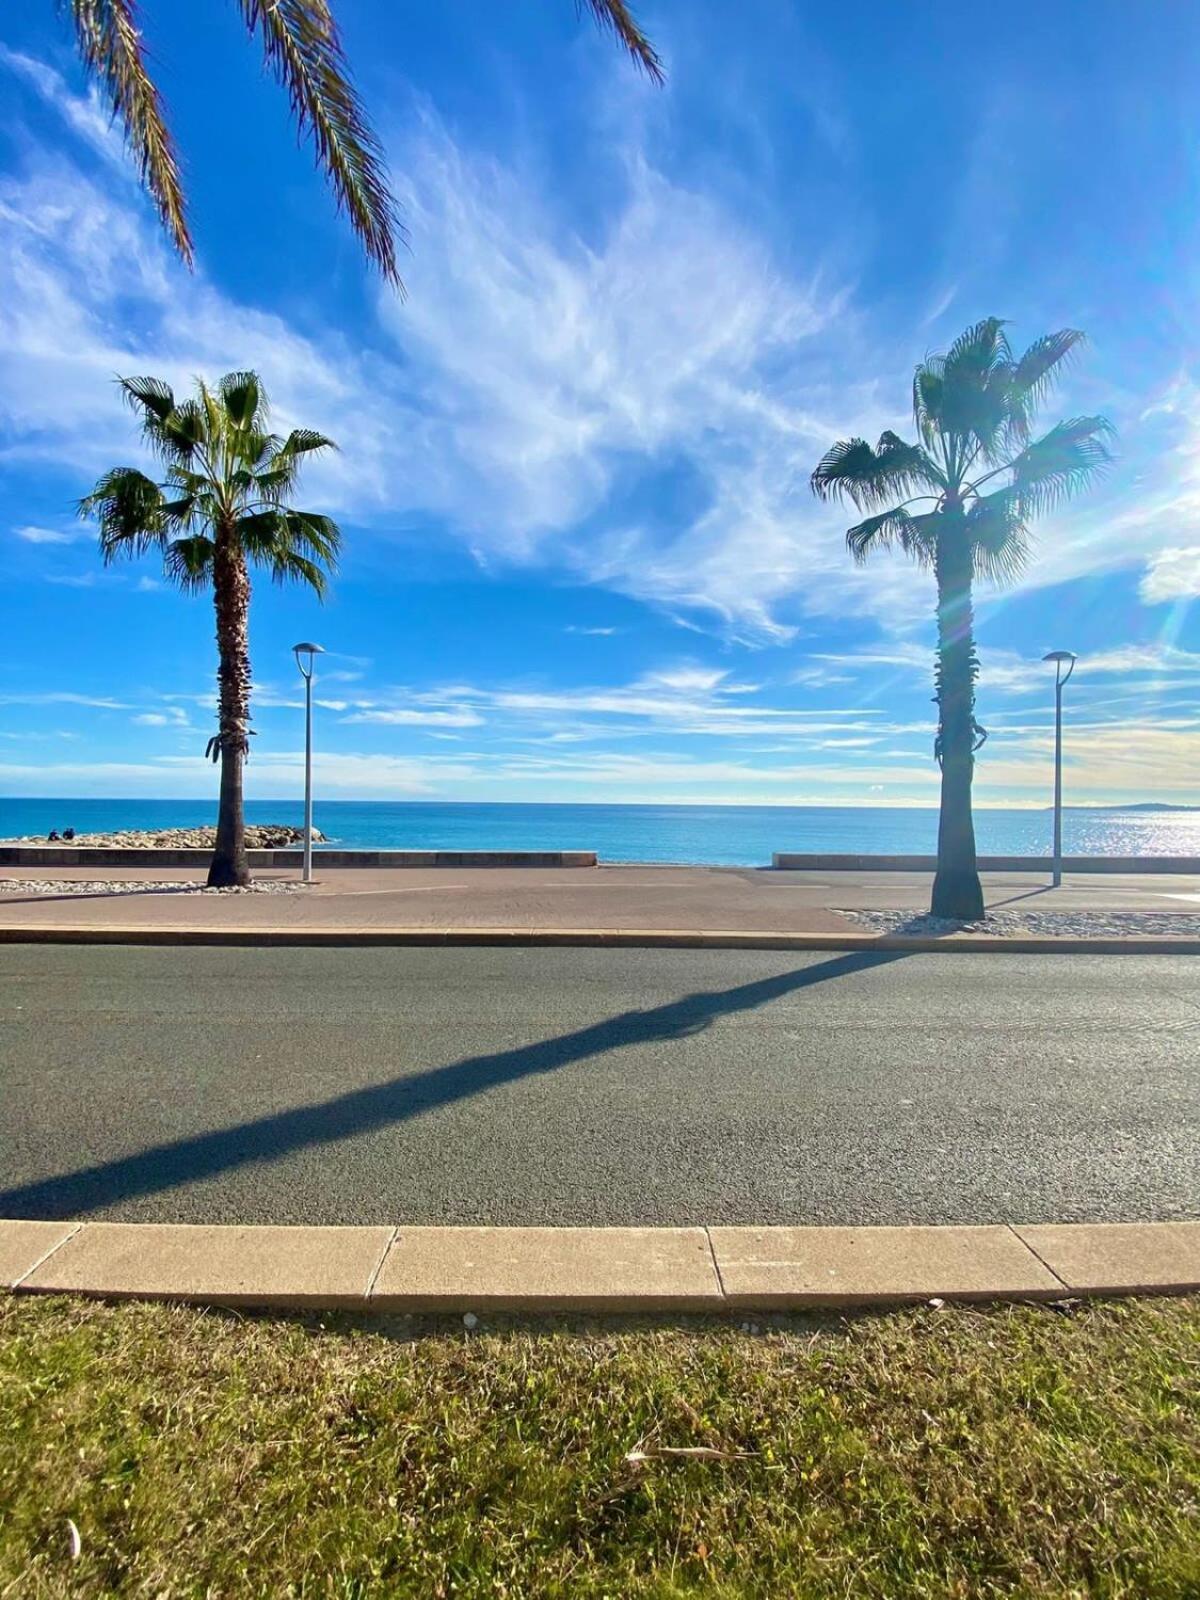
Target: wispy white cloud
31	534
406	716
172	717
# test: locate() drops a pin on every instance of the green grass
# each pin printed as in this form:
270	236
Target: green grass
1015	1451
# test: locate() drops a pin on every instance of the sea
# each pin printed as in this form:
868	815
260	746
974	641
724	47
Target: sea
745	836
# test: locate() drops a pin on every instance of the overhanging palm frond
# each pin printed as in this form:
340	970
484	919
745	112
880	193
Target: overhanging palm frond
916	536
129	508
1034	375
617	17
289	566
852	470
111	49
1068	458
279	470
189	562
269	536
999	539
303	48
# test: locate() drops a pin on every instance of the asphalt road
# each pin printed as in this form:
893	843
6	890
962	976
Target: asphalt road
592	1086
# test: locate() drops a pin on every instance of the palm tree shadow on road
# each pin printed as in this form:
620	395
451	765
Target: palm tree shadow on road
270	1138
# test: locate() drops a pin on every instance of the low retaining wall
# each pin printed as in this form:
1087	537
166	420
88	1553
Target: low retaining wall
52	855
785	860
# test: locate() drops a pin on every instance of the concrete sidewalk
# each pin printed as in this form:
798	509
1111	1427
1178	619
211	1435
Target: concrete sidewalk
606	898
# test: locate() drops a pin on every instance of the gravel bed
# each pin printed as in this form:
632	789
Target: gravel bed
1071	924
102	886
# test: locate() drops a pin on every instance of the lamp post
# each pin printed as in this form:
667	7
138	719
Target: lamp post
1061	659
304	654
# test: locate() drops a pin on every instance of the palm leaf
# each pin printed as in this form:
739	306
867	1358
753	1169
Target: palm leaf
616	16
128	506
995	527
303	48
1036	373
916	536
291	567
851	470
245	400
111	49
1068	458
189	561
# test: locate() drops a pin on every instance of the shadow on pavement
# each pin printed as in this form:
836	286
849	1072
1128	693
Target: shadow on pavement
269	1138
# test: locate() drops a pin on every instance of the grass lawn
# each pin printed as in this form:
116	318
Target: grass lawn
962	1452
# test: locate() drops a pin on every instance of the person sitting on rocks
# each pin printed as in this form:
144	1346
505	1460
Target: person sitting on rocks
68	833
53	838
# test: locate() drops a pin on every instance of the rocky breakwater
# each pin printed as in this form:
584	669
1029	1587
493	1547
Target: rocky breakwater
259	836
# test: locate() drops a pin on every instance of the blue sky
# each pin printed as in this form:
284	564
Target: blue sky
582	561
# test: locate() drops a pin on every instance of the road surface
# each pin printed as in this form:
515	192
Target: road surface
596	1086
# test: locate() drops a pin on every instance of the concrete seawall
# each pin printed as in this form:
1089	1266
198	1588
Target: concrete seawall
52	855
787	861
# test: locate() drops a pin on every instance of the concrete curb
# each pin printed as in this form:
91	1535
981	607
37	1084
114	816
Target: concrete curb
622	1270
599	938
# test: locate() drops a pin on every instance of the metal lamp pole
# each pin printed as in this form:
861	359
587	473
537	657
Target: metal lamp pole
304	654
1061	659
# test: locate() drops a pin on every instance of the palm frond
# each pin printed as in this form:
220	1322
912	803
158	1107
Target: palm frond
979	351
148	395
1068	458
927	398
616	16
245	400
303	48
302	440
188	562
266	536
1034	376
291	567
999	538
975	382
916	536
851	470
111	49
128	507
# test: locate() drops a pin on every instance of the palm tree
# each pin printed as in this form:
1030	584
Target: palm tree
224	506
302	47
973	409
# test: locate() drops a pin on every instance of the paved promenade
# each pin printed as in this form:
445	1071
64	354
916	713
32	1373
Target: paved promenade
606	898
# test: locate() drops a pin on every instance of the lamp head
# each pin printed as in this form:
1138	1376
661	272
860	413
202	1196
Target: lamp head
304	653
1061	659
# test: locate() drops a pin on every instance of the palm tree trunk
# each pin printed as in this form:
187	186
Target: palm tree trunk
231	597
957	892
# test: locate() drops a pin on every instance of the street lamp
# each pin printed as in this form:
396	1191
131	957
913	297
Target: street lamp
304	654
1061	659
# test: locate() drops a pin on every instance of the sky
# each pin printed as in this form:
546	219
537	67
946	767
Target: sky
582	561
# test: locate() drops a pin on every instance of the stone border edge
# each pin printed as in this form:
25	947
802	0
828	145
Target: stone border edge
608	1270
615	938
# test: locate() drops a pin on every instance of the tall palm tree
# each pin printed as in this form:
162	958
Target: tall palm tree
223	507
302	47
973	409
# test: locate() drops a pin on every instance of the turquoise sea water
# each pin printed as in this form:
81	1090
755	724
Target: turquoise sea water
718	835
